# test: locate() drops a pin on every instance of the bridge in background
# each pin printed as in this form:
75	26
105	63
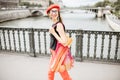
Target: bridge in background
38	11
100	11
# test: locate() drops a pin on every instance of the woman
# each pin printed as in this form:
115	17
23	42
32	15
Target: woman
57	35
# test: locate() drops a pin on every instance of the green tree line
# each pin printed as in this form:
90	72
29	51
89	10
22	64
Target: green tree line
30	5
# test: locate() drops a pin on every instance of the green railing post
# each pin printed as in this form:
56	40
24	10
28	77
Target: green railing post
0	40
32	42
79	45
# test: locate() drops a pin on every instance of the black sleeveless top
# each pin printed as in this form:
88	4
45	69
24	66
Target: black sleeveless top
53	40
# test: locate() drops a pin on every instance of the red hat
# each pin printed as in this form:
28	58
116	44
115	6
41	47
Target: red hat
51	7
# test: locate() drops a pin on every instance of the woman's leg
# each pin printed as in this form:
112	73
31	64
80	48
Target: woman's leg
50	72
65	75
50	75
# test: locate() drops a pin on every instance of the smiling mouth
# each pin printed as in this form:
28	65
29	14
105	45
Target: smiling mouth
54	15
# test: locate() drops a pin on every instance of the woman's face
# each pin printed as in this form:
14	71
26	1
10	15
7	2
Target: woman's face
53	13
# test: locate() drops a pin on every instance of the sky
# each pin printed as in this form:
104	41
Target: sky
77	3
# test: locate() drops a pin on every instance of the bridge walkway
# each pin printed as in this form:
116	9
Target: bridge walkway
15	66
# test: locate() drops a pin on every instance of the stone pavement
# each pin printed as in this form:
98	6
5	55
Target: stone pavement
14	66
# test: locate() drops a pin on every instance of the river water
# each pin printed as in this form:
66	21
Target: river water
79	19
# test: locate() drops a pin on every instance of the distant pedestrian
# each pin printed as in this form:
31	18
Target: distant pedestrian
61	59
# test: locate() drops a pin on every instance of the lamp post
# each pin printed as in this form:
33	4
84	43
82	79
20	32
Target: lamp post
49	2
19	2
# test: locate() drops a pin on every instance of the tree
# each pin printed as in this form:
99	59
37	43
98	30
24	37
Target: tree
117	8
99	4
103	4
106	3
117	5
25	4
39	5
50	2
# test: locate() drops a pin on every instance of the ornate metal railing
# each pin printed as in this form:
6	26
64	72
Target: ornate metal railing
100	45
87	45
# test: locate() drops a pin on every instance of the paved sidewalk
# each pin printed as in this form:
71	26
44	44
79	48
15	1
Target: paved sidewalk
23	67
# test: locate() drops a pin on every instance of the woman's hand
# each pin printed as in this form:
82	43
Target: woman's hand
52	30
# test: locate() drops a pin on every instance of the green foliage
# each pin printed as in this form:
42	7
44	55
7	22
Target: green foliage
102	4
30	5
106	3
117	8
117	3
25	4
39	5
50	2
99	4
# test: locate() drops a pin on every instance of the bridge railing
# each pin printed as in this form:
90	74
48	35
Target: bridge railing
87	45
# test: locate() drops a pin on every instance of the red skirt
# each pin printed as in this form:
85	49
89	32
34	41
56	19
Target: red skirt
61	59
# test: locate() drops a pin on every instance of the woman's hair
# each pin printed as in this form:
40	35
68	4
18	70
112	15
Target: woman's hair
59	17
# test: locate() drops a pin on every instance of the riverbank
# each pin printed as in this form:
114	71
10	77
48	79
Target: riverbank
113	22
14	14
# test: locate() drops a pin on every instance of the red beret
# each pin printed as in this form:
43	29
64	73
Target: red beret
51	7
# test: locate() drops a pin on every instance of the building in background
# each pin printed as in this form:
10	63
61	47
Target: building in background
9	3
43	3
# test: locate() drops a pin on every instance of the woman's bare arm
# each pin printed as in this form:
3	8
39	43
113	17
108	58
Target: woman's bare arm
62	38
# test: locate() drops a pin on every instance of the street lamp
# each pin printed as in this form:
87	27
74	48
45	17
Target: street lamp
19	2
48	2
